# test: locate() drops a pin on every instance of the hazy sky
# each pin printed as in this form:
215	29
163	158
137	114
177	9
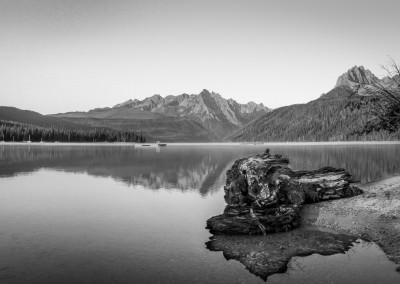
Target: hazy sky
67	55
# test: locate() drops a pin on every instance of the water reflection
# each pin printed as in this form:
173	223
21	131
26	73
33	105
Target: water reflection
59	227
267	255
153	168
200	168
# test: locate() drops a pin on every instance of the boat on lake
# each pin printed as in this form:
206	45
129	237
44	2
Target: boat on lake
161	144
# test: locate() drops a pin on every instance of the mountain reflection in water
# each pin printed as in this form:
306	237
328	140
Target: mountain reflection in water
192	167
144	222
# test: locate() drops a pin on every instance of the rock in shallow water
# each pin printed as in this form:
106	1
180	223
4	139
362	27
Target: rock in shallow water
263	194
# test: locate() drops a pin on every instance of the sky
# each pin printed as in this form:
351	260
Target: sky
76	55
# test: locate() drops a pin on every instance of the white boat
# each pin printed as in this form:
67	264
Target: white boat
161	144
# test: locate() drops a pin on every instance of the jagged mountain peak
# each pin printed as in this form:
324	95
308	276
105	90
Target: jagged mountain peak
254	104
157	100
210	109
156	97
125	104
359	80
356	76
205	92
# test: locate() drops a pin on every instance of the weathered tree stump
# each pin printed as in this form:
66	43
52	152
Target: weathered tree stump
265	195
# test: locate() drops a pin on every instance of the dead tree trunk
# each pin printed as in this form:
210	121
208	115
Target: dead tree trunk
264	195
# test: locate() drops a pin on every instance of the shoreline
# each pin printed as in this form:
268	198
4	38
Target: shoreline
128	144
258	144
373	215
327	228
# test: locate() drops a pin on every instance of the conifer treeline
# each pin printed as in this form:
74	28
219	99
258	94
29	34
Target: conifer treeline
18	132
338	119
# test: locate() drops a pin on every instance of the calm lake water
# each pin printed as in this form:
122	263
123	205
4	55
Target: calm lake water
109	214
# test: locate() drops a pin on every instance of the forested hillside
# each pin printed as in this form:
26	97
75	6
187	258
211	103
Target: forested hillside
23	125
19	132
339	115
35	118
154	129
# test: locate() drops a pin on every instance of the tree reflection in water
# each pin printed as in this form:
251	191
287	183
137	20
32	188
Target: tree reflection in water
192	167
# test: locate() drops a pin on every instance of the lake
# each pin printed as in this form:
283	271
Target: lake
120	214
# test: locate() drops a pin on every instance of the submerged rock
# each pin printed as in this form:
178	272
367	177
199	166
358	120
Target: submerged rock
263	194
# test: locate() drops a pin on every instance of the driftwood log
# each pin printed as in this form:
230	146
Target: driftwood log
263	194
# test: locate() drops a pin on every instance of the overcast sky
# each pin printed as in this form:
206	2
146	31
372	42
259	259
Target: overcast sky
69	55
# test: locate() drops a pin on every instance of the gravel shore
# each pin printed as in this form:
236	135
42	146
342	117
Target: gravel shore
374	215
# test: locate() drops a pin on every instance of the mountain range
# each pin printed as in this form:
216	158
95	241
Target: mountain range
337	115
199	117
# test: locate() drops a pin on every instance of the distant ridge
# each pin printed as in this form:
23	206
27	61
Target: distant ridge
208	108
14	114
206	116
338	115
